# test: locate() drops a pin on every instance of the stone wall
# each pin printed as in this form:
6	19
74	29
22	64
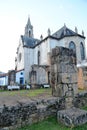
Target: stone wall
12	117
63	71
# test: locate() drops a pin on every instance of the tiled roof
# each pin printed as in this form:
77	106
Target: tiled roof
64	31
28	41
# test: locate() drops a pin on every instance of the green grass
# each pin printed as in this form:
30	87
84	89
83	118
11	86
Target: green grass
51	124
28	93
84	107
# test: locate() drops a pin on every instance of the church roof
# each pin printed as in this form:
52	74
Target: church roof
28	41
64	31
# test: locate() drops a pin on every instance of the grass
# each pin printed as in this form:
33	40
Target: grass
84	107
28	93
51	124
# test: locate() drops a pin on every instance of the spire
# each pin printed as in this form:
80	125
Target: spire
29	28
82	32
64	25
29	22
48	32
41	37
76	30
64	29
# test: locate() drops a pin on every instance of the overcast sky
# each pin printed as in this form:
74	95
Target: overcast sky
44	14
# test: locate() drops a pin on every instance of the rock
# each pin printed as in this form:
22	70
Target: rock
72	117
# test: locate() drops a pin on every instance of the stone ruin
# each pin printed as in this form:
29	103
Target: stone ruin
63	71
64	84
64	87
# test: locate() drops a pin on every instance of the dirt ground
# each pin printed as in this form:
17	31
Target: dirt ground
13	99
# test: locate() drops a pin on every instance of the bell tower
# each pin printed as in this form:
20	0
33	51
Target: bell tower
29	29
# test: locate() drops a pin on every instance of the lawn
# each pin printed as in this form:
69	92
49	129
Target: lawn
51	124
28	93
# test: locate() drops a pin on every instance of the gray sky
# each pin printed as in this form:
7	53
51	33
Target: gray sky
44	14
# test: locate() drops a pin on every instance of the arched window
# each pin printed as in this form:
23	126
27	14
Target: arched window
72	46
29	33
38	57
82	51
20	55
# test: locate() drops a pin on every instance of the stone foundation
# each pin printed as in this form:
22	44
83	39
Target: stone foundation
72	117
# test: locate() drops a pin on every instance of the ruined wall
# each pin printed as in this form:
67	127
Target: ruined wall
23	114
39	75
12	117
11	77
63	71
80	79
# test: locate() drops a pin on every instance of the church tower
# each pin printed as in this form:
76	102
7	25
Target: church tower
29	29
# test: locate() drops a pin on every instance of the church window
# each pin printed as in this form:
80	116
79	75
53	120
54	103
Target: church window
38	57
19	57
72	47
21	73
29	33
82	51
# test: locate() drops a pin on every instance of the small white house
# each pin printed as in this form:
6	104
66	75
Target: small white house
3	79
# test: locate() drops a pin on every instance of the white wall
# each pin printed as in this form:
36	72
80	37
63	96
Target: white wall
45	47
54	43
19	75
3	80
35	55
28	61
20	64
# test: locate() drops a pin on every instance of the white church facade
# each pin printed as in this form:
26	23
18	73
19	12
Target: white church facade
32	62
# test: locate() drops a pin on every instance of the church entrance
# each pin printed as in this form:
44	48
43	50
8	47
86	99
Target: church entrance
21	80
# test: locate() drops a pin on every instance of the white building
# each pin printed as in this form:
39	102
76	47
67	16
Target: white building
3	79
33	55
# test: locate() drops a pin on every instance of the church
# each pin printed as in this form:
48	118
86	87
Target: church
32	62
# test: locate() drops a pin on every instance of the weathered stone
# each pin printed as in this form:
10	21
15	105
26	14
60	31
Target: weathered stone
39	109
72	117
63	71
23	114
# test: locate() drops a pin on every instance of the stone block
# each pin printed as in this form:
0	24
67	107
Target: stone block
57	90
69	77
66	68
72	117
68	102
